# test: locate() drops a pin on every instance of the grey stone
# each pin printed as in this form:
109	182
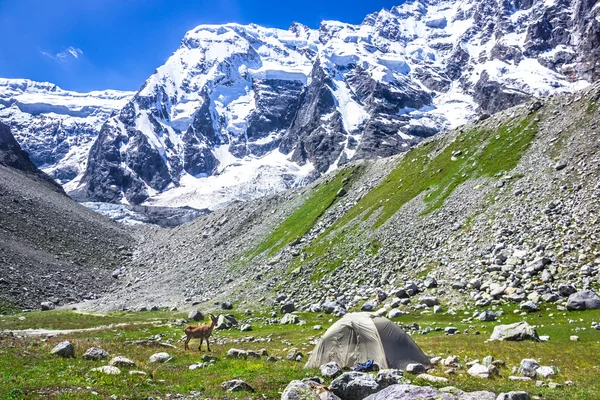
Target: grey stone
354	386
388	377
107	370
415	368
528	368
64	349
287	308
513	396
298	390
330	370
584	300
123	362
290	319
409	392
515	332
95	353
529	306
226	321
236	385
47	305
159	358
196	315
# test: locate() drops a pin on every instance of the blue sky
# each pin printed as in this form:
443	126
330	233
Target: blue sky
116	44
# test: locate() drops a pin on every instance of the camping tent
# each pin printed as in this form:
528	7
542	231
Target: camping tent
358	337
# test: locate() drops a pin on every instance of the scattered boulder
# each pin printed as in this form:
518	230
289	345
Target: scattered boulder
409	392
107	370
246	328
237	353
354	386
120	361
514	396
369	306
236	385
64	349
289	319
584	300
388	377
480	371
487	316
298	390
515	332
528	368
529	306
415	368
430	301
159	358
196	315
95	353
545	372
47	305
330	370
566	290
287	308
226	305
226	321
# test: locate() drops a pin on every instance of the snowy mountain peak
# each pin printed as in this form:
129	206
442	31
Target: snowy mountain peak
55	126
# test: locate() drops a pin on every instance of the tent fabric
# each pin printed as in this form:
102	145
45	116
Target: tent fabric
358	337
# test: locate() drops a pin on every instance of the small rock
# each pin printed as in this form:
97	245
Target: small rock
107	370
159	358
196	315
236	385
120	361
330	370
47	305
415	368
95	353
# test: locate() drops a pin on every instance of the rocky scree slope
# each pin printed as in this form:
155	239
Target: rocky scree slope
51	248
239	112
504	209
56	127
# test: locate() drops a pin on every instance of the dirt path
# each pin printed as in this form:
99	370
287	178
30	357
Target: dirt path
56	332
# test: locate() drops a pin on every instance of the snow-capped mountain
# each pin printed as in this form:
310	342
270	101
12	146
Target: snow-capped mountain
241	111
56	127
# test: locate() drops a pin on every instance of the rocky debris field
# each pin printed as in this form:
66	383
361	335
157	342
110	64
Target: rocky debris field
53	251
501	211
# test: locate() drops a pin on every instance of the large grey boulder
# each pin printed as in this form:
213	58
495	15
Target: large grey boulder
410	392
354	386
196	315
584	300
226	321
64	349
515	332
47	305
298	390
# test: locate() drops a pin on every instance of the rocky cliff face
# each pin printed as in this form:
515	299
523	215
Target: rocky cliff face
56	127
12	156
241	111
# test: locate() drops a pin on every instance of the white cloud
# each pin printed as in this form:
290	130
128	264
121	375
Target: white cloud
68	54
